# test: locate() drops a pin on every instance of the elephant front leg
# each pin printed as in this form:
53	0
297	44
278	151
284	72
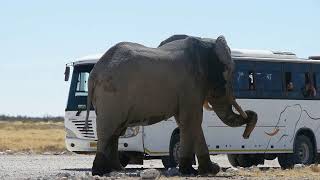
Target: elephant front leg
186	151
186	122
202	152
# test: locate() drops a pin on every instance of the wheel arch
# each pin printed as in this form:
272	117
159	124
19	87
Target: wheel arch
309	133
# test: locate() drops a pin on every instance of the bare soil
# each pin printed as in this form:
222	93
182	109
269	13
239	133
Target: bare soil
39	137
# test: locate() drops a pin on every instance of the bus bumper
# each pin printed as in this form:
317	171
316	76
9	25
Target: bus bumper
88	146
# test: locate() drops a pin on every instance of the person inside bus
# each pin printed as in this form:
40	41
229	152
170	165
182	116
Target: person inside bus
251	81
309	90
290	86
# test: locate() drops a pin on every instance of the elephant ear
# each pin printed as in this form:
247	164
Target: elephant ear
223	52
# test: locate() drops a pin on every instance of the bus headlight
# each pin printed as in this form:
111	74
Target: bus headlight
70	134
131	131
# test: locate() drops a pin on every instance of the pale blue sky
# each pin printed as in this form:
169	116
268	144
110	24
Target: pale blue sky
37	38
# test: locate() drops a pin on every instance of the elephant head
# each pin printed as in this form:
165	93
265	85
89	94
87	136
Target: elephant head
220	94
220	98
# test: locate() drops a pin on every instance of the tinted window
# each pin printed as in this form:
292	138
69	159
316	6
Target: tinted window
79	88
268	79
244	79
316	78
82	84
276	80
300	82
317	81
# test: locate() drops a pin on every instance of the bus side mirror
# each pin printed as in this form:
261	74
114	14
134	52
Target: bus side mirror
67	73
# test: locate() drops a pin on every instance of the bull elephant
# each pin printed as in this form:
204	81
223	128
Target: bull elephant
136	85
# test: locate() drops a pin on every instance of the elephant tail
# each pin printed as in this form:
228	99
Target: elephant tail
89	99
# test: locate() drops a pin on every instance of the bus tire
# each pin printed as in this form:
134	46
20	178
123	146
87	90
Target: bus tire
317	158
244	160
173	159
124	159
304	152
286	160
166	162
233	160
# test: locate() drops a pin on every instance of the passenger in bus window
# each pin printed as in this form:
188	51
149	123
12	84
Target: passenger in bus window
309	90
290	86
251	81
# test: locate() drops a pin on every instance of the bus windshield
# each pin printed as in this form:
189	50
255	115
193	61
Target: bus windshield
79	86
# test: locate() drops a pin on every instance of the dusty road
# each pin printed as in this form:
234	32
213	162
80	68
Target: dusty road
54	166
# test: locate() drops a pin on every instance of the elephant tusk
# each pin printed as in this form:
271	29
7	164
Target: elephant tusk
274	132
207	106
239	109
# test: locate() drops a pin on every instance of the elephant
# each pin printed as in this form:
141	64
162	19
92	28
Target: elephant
134	85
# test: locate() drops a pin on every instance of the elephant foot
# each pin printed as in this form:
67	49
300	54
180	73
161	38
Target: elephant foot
251	124
206	167
102	165
99	165
185	167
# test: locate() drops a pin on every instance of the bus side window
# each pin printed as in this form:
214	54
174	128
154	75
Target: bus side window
268	80
82	84
316	80
289	83
295	79
308	90
244	79
298	80
251	81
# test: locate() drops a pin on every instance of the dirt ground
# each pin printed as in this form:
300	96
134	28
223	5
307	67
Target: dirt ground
48	137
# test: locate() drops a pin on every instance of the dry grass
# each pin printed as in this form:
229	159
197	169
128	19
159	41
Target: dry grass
32	136
306	173
309	172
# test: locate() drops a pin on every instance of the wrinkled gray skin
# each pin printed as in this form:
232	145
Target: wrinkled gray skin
136	85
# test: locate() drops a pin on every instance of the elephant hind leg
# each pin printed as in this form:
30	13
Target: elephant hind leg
107	156
107	160
99	164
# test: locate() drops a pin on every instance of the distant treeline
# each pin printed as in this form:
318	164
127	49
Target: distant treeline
27	118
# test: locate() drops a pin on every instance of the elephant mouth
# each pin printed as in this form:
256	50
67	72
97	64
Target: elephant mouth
233	102
223	108
238	108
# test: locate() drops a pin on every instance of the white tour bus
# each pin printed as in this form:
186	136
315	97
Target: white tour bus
283	89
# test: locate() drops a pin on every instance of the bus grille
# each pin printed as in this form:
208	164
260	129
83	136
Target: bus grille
88	133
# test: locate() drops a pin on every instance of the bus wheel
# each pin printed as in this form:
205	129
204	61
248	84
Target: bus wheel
304	150
173	159
303	153
233	160
244	160
124	159
286	161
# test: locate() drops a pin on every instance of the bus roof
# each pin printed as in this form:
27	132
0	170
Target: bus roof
90	59
238	54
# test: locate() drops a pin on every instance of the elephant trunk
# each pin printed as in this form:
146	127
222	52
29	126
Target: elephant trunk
223	108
